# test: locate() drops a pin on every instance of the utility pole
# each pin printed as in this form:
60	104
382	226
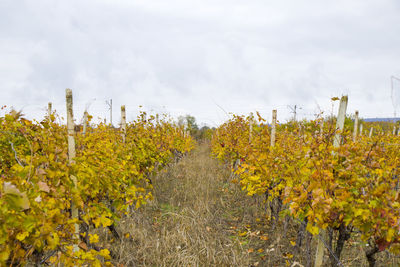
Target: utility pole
109	103
294	111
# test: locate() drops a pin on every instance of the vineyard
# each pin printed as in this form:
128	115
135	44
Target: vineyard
52	194
322	174
68	191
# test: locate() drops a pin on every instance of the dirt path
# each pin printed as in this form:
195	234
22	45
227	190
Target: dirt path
191	221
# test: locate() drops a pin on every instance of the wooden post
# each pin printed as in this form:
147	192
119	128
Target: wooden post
123	123
394	130
319	255
340	120
361	129
111	112
71	156
321	128
49	109
371	131
250	126
273	130
109	103
85	121
355	127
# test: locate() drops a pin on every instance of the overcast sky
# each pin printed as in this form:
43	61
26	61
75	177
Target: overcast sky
203	57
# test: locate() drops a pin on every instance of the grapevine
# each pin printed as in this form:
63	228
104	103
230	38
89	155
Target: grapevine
36	191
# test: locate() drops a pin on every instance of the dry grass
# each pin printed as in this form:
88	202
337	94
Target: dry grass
186	223
200	218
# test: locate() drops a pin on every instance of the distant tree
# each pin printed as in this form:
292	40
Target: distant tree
205	133
189	122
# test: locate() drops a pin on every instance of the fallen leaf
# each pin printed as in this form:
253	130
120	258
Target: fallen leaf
43	187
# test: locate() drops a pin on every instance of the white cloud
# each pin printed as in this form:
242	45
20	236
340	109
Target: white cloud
191	56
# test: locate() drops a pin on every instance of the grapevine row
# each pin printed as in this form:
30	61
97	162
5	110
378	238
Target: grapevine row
112	171
347	189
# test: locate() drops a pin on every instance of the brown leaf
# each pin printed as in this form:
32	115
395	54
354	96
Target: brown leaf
83	246
43	187
40	172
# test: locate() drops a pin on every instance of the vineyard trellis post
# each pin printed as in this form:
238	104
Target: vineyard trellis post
71	156
394	130
109	103
49	109
355	126
361	129
319	255
321	128
250	126
273	137
273	130
371	132
123	123
85	121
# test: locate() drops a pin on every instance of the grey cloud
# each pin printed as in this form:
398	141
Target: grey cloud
182	56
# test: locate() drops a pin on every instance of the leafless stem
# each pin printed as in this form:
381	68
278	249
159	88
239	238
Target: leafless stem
15	154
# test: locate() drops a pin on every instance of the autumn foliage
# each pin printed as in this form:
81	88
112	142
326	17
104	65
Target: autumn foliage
36	189
353	188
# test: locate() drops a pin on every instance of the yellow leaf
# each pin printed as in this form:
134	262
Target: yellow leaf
93	238
53	241
390	234
22	236
105	253
4	255
243	233
105	221
288	255
312	229
53	259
